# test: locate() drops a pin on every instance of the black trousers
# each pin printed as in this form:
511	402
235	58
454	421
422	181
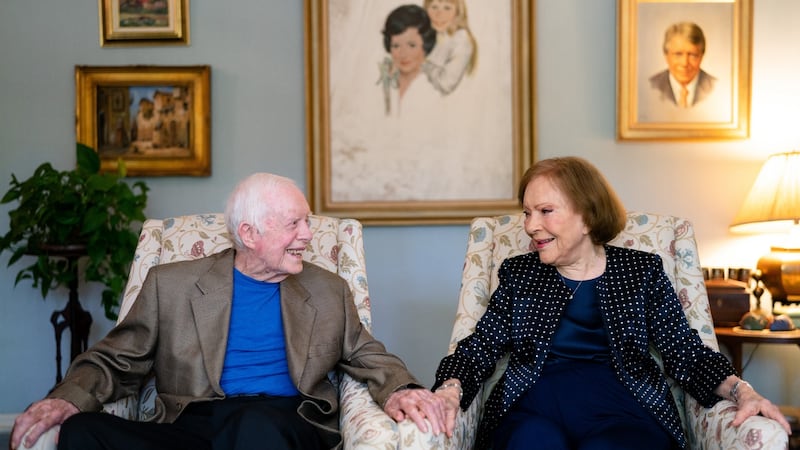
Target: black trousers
579	405
236	423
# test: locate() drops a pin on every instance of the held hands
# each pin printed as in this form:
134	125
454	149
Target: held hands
38	418
418	405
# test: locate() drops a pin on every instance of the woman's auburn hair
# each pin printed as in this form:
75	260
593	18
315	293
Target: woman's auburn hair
586	189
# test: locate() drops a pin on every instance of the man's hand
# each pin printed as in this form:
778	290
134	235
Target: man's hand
38	418
418	405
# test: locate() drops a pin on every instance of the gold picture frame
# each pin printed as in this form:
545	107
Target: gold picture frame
717	101
470	169
157	119
148	22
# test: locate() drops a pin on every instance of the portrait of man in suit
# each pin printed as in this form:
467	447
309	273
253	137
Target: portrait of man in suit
683	83
683	69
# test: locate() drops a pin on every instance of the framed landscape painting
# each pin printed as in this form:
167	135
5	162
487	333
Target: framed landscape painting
415	116
684	69
156	119
144	22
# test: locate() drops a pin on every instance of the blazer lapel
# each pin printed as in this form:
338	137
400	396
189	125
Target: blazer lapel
212	314
298	323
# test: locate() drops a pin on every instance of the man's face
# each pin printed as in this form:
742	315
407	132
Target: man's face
286	234
683	59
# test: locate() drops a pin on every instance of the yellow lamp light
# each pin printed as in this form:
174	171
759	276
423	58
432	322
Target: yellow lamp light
773	206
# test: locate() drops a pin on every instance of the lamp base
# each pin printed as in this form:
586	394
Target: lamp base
780	272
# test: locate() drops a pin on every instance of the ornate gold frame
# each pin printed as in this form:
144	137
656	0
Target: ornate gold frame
91	82
113	33
736	125
423	211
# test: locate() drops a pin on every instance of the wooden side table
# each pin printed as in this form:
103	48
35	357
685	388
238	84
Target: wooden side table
733	338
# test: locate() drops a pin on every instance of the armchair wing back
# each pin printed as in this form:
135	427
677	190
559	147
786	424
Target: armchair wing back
493	239
337	245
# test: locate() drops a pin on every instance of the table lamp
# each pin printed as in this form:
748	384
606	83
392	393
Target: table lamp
773	206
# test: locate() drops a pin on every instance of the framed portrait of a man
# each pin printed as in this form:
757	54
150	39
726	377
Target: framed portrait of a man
684	69
418	111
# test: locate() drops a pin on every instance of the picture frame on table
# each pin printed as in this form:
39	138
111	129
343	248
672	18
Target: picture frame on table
157	119
666	44
143	22
453	145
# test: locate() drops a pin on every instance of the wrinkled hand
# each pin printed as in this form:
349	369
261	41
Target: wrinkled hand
452	405
417	405
752	403
38	418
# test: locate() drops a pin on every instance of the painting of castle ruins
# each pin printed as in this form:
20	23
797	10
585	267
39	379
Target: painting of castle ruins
146	121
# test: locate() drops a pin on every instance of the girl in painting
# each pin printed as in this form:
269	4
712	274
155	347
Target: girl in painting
456	52
408	37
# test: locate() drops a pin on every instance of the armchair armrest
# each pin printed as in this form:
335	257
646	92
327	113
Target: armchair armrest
47	441
712	428
363	423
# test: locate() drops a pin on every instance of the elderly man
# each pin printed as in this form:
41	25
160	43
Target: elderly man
683	83
218	333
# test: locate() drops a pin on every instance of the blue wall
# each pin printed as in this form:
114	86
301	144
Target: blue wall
255	49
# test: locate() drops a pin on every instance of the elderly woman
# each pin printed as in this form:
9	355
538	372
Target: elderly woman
578	317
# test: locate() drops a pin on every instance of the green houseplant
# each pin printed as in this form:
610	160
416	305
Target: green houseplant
78	208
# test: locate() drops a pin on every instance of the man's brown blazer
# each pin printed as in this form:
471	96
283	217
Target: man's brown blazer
178	329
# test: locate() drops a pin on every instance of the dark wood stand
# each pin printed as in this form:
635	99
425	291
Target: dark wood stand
73	316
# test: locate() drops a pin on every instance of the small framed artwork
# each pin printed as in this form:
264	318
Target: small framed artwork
156	119
418	112
684	69
144	22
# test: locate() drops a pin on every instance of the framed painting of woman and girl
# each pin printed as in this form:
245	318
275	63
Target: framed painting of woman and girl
418	111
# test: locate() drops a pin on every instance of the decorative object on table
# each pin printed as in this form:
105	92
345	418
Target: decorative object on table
157	119
773	206
781	323
144	22
63	216
754	320
717	74
728	300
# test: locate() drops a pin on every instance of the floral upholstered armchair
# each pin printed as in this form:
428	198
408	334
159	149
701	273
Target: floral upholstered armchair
337	245
493	239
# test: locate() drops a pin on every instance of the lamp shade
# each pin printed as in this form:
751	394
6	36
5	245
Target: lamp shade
773	204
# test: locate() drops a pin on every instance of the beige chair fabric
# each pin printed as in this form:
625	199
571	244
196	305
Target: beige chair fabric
337	245
493	239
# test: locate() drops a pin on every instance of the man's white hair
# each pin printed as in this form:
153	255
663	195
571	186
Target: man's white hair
246	202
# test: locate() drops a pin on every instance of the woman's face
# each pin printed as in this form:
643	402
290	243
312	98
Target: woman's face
556	229
407	52
442	13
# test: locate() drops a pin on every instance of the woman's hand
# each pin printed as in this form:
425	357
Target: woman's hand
749	402
450	391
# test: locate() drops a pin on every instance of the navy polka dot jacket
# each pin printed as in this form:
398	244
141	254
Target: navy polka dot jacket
639	307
